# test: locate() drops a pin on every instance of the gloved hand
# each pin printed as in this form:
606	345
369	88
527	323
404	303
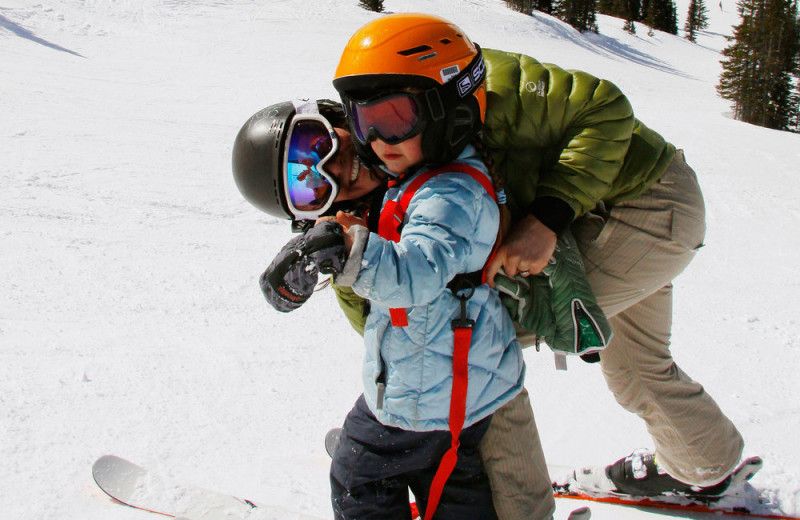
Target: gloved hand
290	279
581	325
557	305
527	300
324	245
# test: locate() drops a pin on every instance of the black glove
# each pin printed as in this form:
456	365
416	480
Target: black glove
324	245
290	279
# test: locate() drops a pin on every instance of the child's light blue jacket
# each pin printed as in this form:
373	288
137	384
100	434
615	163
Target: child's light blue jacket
450	228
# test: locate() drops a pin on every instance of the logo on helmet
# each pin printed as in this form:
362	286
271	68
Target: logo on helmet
478	71
465	86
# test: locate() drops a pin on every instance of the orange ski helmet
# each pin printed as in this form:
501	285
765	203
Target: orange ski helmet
425	53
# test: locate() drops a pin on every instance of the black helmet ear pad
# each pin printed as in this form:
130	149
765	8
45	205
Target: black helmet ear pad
444	140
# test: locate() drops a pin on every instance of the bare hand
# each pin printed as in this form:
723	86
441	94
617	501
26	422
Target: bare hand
526	250
345	220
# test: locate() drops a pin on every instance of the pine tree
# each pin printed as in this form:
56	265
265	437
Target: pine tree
645	9
372	5
662	15
545	6
617	8
521	6
581	14
696	19
527	6
632	9
761	65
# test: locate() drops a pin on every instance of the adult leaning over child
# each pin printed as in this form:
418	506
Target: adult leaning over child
571	154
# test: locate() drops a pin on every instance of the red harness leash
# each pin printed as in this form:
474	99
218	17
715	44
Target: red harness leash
389	224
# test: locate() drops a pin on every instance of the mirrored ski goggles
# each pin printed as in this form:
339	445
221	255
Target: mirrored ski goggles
309	189
392	119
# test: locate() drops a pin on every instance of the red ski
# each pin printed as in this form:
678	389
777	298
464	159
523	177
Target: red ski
742	499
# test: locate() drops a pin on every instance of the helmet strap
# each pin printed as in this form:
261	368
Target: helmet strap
436	107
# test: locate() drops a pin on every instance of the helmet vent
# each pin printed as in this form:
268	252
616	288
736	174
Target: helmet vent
414	50
277	128
445	41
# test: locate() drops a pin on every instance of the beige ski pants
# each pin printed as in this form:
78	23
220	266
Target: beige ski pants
631	254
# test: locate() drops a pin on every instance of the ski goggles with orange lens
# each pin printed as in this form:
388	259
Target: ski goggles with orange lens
309	189
392	119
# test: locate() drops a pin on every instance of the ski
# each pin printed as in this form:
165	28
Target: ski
332	440
742	499
136	487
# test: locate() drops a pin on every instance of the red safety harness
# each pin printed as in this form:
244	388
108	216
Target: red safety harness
389	224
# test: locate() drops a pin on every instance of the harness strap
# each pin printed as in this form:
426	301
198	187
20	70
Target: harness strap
462	338
389	227
393	214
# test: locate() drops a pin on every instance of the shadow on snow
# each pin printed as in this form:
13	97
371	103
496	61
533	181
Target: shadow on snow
22	32
607	46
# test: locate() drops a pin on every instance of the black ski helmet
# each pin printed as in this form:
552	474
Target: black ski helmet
258	154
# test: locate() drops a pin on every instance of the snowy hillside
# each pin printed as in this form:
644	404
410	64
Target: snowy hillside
131	321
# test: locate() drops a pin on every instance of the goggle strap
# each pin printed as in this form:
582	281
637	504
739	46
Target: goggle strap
435	104
465	83
305	106
468	80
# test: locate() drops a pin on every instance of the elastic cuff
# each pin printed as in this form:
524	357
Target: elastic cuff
352	266
554	213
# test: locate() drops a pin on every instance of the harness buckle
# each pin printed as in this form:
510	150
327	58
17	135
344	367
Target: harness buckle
462	322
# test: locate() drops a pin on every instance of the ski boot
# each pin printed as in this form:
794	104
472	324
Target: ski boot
639	475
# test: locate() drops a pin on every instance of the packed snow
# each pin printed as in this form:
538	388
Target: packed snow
131	321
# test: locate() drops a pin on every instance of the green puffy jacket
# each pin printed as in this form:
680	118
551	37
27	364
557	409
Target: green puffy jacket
558	135
353	306
565	135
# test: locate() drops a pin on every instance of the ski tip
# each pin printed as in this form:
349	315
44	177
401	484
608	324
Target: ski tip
332	440
102	464
748	468
106	460
103	460
111	463
583	513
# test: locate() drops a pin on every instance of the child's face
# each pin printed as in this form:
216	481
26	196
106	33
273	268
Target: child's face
398	158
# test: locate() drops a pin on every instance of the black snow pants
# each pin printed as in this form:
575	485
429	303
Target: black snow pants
375	465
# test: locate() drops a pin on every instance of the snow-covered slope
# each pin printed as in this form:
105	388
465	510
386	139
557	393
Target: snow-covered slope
130	317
